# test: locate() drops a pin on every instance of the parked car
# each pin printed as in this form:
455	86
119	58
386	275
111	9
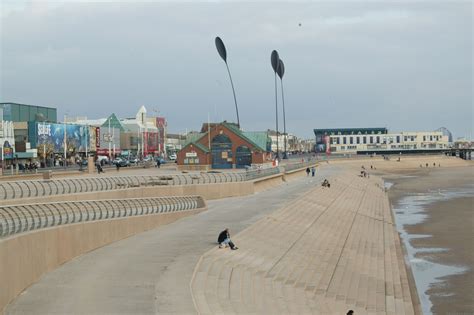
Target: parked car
133	161
103	159
162	160
172	156
121	162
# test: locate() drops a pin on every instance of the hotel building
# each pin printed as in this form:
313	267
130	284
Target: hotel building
378	140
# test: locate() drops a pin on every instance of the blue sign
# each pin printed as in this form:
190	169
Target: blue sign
52	136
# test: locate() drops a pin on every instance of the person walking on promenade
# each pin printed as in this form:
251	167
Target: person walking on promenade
224	240
313	170
99	167
158	163
307	171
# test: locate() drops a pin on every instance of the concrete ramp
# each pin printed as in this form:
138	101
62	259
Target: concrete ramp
332	250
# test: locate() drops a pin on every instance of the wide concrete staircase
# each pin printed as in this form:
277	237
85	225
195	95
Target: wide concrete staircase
333	250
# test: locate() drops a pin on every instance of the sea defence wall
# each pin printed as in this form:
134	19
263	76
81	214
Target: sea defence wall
331	250
44	225
209	186
40	237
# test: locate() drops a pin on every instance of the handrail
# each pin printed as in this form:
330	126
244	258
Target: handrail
43	188
17	219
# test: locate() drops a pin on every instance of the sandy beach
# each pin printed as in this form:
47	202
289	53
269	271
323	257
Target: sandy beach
440	230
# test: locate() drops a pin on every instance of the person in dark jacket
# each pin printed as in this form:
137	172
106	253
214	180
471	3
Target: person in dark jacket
224	240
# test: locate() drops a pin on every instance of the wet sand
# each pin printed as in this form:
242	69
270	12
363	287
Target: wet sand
450	223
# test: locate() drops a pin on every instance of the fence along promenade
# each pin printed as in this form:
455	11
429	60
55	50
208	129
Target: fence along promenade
17	219
42	188
330	251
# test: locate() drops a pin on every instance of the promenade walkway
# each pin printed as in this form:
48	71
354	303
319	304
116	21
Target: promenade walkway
329	251
151	272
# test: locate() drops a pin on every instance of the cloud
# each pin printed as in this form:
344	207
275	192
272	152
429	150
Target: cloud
402	65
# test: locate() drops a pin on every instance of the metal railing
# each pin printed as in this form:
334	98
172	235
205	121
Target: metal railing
294	166
23	218
41	188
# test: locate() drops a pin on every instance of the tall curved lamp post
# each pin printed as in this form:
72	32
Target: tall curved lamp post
223	53
281	73
275	59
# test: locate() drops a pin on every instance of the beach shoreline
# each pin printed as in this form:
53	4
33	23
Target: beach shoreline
438	237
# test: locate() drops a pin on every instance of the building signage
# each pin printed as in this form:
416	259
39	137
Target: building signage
52	136
7	151
97	137
191	154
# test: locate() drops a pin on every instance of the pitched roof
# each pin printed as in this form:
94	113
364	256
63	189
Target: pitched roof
252	138
258	137
198	145
114	122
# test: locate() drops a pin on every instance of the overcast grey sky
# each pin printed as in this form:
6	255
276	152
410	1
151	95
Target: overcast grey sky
402	65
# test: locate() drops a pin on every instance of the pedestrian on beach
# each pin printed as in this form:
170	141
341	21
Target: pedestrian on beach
224	240
426	164
307	171
158	163
313	170
434	164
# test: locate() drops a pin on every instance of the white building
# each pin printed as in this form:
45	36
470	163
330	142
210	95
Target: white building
360	140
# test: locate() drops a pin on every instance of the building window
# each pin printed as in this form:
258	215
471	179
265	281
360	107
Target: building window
365	139
398	139
338	140
424	138
431	138
345	140
358	140
371	139
378	139
351	140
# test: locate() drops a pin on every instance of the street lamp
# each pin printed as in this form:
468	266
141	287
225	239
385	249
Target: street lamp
275	60
281	73
223	53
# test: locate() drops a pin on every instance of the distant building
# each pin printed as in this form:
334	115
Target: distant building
447	133
224	145
377	140
21	115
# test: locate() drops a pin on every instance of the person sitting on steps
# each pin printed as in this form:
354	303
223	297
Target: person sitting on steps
326	183
224	240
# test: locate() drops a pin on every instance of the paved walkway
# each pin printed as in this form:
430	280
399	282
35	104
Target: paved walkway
151	272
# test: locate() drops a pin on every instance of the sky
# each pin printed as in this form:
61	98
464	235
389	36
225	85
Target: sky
407	66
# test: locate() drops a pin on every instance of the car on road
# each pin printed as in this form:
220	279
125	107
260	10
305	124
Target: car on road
121	162
173	156
133	161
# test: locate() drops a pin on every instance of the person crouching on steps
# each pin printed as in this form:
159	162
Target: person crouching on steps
224	240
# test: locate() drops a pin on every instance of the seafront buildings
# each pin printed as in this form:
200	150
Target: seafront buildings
378	141
31	133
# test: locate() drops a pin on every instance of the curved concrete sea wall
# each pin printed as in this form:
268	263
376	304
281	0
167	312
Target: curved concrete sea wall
44	223
25	257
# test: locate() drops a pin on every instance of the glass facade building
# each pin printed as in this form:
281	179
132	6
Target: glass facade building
22	113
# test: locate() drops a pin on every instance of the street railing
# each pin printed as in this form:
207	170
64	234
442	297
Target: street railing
23	218
41	188
294	166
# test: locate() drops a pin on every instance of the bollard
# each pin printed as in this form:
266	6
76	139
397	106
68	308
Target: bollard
47	175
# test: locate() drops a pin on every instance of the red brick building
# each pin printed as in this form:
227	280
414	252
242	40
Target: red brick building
224	145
